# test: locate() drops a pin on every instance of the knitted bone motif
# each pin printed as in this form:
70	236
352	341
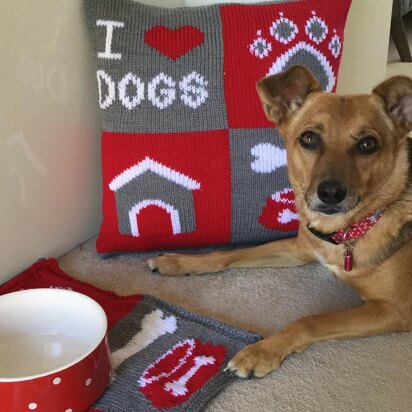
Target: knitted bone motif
166	358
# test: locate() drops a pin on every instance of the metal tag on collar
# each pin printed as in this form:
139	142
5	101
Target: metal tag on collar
348	260
375	217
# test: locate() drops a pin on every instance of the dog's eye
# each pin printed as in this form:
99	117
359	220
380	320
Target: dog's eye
367	145
310	140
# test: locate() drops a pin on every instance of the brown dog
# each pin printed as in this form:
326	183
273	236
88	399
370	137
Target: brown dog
350	167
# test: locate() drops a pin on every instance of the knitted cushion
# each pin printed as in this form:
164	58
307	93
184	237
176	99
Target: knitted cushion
189	157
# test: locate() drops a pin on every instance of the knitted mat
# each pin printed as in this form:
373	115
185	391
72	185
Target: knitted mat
164	357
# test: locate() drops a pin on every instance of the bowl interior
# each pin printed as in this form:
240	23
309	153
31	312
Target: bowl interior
45	330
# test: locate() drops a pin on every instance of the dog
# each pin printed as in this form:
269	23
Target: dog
349	163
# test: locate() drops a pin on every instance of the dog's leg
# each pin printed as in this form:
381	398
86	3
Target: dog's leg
281	253
266	355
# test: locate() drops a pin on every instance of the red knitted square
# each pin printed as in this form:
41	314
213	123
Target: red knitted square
266	39
178	174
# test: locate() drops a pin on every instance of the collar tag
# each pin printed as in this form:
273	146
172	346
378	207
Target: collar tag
350	235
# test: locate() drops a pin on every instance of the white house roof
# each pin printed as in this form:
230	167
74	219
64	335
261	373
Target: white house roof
149	164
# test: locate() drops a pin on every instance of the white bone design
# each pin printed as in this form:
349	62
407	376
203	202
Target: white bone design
153	327
286	216
178	387
268	158
144	380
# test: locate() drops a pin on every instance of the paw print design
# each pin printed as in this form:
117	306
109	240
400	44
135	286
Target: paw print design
283	29
316	29
309	47
335	45
260	47
307	55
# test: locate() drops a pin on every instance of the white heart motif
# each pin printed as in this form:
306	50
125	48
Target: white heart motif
268	158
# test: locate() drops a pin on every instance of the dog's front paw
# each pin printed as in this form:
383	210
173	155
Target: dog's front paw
255	360
171	264
178	264
174	264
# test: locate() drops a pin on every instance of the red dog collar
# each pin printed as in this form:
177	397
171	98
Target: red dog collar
349	235
358	229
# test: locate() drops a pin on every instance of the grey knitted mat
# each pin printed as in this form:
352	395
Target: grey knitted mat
166	358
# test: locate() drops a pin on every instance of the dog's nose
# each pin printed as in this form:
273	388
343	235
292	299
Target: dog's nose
331	192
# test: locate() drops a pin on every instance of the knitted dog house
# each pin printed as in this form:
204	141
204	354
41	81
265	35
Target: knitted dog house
164	188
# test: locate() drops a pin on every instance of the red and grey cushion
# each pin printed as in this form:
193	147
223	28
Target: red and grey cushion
189	158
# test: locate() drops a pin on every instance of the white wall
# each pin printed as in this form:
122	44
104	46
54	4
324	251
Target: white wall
49	123
49	152
365	49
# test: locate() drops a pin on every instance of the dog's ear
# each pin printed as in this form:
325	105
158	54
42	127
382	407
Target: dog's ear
396	93
284	93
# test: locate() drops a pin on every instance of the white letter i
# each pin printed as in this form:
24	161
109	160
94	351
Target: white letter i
107	54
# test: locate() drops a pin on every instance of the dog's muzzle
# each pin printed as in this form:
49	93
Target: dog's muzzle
331	197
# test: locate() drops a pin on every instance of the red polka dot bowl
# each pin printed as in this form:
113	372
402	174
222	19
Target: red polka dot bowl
54	355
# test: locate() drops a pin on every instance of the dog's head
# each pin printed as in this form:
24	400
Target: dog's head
346	154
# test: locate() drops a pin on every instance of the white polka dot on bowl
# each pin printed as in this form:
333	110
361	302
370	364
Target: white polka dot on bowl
32	406
88	381
56	381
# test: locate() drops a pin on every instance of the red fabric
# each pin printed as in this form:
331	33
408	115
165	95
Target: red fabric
243	70
174	366
173	43
358	229
47	274
280	212
212	167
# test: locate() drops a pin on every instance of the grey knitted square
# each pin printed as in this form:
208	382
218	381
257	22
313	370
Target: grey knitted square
263	152
189	158
166	358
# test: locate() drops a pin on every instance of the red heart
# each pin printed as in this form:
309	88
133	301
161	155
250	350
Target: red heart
180	372
173	43
279	213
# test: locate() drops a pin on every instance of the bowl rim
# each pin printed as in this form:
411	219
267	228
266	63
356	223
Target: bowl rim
92	348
